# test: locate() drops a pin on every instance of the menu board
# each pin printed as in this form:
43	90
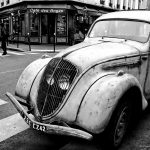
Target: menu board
61	25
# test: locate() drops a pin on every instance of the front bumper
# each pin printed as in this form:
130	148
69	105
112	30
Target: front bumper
48	128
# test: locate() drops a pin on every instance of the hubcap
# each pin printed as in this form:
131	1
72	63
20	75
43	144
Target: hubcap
121	126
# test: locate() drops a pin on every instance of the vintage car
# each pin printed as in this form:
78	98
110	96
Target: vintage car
98	86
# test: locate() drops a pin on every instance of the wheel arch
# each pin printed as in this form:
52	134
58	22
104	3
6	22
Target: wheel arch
103	97
27	77
134	95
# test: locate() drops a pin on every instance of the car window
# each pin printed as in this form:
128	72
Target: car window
124	29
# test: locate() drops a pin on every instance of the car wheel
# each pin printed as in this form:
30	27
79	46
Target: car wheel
119	124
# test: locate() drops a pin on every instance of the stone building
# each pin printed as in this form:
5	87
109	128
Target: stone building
49	21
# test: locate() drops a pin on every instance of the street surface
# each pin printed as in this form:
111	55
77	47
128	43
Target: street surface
15	133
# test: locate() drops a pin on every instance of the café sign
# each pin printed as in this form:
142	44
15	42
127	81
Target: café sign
46	10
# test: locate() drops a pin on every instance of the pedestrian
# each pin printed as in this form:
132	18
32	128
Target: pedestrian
3	39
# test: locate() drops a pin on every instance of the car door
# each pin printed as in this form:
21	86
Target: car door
145	61
139	66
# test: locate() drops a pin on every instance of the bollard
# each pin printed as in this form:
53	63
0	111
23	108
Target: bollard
28	34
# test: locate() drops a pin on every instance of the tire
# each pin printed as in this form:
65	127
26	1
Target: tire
119	124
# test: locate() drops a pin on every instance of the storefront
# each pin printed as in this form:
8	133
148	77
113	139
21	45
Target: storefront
48	25
48	22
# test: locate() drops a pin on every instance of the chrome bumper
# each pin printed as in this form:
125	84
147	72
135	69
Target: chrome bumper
48	128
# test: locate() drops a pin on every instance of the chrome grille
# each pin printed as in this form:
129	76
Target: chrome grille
51	95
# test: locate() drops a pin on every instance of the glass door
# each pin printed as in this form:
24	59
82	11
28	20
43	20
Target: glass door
51	27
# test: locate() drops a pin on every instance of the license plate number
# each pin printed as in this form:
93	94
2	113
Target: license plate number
34	125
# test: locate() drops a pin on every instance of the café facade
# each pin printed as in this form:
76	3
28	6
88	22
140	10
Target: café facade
46	22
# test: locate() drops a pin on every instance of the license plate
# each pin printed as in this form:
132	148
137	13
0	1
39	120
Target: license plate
34	125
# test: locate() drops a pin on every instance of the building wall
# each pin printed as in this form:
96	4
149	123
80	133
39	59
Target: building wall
36	23
148	4
118	4
115	4
143	4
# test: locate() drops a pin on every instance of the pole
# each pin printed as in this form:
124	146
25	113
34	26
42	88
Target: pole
18	28
28	34
54	42
84	21
18	38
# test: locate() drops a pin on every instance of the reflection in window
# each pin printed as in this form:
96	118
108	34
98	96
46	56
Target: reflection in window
44	24
124	4
6	24
22	25
18	23
122	29
15	24
34	24
61	25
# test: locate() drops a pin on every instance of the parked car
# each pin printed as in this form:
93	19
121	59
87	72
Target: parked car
97	86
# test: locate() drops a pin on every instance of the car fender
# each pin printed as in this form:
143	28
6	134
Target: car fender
101	99
28	76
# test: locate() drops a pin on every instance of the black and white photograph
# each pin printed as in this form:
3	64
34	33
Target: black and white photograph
74	74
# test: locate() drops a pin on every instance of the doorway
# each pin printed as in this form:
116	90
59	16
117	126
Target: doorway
51	27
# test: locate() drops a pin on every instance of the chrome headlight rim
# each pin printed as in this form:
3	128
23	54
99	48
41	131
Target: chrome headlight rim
64	82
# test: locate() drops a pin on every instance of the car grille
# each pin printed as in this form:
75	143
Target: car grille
51	92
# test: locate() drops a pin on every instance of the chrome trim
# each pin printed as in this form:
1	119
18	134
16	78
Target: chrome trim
49	128
120	64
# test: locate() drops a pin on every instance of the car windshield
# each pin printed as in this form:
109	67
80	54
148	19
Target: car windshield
122	29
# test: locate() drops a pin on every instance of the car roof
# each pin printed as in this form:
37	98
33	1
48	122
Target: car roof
143	15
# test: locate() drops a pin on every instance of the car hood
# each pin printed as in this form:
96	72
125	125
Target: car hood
87	54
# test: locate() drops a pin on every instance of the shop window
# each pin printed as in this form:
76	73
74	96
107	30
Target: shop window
129	4
80	19
124	4
6	24
118	6
61	28
22	24
83	23
133	5
44	24
34	24
18	24
90	20
61	25
15	25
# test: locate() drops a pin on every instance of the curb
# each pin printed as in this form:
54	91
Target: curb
15	49
32	50
45	51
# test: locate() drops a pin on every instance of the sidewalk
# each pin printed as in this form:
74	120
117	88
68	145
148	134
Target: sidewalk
39	47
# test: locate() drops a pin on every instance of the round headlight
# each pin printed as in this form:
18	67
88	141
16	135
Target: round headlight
63	82
49	80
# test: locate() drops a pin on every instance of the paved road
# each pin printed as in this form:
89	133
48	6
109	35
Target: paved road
15	133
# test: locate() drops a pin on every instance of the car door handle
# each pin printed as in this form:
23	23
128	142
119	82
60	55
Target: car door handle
144	57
